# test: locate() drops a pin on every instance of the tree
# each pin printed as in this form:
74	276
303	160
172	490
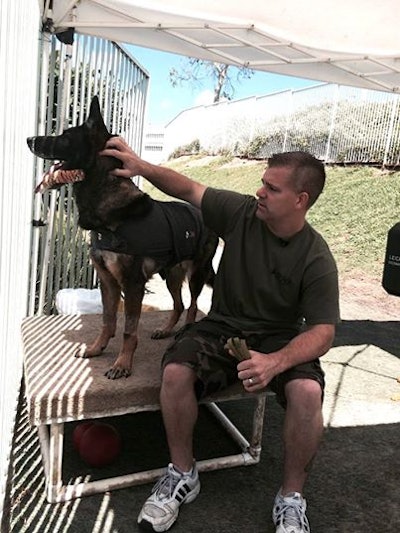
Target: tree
196	71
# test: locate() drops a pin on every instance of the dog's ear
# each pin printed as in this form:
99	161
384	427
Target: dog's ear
95	118
95	127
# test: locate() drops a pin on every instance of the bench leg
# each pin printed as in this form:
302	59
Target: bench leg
52	452
251	449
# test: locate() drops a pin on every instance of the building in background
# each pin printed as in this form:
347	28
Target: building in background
153	144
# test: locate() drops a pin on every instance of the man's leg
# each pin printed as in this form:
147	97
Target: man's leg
199	347
179	409
180	484
302	433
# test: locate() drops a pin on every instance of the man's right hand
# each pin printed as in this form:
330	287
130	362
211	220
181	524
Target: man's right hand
166	179
132	165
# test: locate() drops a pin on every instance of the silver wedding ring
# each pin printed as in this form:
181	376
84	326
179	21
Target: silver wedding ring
251	381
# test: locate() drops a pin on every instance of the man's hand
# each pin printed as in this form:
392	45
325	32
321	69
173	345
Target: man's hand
253	370
166	179
132	165
258	371
308	345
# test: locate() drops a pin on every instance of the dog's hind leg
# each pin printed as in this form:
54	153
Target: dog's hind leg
174	280
202	273
196	283
134	292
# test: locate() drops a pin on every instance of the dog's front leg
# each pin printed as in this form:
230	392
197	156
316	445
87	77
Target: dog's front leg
134	292
110	297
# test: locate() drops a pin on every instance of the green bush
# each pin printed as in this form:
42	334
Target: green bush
187	149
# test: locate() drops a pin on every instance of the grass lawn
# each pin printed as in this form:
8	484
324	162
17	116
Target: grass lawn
357	208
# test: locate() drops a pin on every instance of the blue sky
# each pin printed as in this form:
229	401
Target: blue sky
165	102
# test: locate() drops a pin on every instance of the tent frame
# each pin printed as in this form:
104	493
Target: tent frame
254	38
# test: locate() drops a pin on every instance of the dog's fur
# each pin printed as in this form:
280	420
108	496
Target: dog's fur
105	203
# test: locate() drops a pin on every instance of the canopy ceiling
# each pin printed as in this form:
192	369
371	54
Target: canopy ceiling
350	42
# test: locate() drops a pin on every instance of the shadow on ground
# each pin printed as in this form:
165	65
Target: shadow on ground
354	486
382	334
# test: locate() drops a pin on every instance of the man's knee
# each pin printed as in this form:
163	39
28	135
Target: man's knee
304	393
177	376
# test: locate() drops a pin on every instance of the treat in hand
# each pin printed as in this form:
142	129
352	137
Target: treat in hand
238	347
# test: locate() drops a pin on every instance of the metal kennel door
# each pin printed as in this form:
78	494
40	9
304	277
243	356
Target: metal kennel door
70	75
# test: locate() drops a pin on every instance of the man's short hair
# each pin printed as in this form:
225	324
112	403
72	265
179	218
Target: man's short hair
308	172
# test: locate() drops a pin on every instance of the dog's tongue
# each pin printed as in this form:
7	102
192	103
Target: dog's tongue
56	176
54	167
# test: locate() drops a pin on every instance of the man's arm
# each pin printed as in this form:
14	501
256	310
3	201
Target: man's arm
307	346
167	180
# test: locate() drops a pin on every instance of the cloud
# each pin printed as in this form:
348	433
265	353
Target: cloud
166	104
206	97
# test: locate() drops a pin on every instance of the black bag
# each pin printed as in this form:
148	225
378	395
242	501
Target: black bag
391	270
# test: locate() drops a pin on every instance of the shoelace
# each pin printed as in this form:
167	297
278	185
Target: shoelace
291	514
166	485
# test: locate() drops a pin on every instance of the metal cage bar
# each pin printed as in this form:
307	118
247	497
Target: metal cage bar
71	75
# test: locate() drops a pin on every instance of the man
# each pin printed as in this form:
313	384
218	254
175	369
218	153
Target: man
276	287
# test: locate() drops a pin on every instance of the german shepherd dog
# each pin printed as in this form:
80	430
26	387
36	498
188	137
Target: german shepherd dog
132	236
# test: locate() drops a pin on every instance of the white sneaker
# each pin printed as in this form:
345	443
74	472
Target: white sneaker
289	513
161	509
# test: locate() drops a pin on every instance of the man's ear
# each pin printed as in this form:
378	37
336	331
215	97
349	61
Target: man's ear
303	200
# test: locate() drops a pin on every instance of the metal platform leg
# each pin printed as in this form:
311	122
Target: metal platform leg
52	452
252	448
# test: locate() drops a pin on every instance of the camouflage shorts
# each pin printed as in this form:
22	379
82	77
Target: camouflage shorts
201	346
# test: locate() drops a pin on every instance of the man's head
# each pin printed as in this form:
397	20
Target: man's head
291	184
308	173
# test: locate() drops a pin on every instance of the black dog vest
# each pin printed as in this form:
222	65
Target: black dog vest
169	232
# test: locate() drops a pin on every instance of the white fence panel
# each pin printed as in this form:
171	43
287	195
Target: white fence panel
187	127
309	123
362	126
392	150
19	32
337	124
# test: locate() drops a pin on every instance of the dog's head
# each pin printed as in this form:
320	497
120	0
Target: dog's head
103	200
76	147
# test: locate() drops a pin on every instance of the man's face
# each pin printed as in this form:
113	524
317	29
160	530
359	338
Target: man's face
277	199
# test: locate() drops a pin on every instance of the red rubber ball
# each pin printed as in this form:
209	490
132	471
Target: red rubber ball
100	444
78	432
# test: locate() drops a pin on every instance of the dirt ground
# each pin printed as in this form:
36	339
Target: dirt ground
363	297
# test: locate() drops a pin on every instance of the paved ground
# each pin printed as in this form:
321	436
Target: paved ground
354	486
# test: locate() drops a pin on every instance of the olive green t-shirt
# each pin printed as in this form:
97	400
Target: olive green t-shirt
266	284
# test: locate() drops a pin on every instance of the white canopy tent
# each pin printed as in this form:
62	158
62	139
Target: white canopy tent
349	42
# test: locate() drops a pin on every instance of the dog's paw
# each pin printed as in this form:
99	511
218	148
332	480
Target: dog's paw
80	351
161	334
117	372
85	352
